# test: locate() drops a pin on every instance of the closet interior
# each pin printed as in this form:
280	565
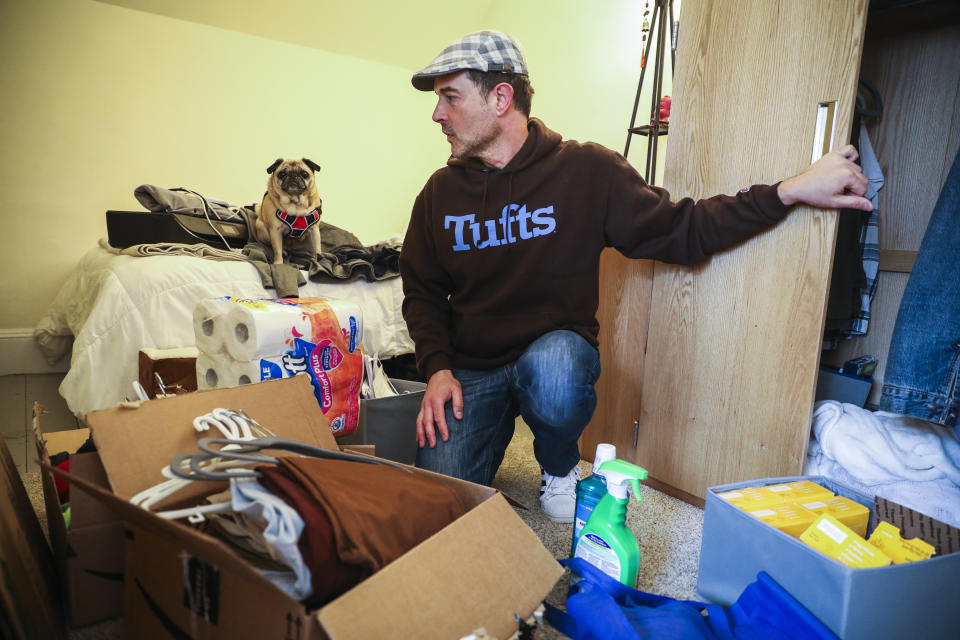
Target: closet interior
700	401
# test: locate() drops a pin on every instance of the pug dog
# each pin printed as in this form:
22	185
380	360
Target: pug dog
290	210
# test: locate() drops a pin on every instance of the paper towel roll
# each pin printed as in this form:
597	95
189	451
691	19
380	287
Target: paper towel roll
263	328
209	324
214	371
247	372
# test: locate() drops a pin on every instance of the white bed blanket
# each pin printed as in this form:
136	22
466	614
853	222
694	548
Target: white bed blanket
114	305
909	461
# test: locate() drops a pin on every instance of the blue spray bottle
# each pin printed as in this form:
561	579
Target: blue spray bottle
590	490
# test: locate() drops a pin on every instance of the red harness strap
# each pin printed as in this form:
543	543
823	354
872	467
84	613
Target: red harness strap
299	224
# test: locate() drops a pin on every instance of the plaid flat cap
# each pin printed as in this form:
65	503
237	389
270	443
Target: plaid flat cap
482	51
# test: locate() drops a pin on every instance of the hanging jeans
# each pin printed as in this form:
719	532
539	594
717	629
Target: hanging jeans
921	373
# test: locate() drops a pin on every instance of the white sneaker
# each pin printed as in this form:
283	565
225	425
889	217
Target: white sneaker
558	495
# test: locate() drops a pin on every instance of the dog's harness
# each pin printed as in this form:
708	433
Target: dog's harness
299	224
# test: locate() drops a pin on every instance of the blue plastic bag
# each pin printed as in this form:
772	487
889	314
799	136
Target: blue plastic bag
601	608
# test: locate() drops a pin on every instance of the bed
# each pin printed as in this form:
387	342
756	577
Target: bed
114	305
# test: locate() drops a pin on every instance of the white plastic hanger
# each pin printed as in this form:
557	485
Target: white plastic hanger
234	425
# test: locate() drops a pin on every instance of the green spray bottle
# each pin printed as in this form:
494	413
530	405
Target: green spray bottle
606	542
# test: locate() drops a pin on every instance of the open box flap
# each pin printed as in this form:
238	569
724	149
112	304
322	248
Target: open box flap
135	442
56	442
29	599
481	571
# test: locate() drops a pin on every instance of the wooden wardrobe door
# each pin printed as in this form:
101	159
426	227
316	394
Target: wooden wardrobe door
625	288
733	346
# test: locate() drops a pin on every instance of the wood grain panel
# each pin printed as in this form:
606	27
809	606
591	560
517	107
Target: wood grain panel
898	261
734	344
625	287
916	139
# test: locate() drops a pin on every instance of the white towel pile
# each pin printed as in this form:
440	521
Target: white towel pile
909	461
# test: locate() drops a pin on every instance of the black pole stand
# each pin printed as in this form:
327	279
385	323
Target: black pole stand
657	127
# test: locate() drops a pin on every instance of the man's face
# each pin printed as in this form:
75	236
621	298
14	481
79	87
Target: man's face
468	118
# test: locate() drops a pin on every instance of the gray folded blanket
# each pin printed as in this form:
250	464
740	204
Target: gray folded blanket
342	257
180	200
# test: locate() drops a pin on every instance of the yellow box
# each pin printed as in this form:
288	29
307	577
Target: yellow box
790	518
849	512
886	537
835	539
751	498
800	491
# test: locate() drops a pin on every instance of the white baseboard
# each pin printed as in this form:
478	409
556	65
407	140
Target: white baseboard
20	355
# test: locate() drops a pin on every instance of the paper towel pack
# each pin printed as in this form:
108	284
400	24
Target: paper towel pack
219	370
241	341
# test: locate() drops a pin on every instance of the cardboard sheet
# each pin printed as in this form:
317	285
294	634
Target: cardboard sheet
136	443
913	524
28	584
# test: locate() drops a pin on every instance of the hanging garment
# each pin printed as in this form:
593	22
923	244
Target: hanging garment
601	608
921	376
857	260
910	461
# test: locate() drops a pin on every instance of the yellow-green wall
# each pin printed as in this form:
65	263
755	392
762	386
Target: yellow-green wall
99	99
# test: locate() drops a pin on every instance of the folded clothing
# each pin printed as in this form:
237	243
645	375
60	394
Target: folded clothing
378	512
330	575
358	517
904	459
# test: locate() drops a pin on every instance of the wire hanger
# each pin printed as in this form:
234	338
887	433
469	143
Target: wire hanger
228	459
195	514
248	451
233	424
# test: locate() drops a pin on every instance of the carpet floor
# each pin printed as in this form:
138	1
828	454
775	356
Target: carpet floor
668	530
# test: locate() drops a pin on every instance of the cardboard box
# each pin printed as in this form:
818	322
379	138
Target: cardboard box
176	369
88	556
902	601
482	570
29	603
390	423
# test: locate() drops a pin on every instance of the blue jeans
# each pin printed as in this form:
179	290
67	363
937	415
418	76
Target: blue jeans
550	385
921	374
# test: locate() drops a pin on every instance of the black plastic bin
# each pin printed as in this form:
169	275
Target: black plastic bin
390	423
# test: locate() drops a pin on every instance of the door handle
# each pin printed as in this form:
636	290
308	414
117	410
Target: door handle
823	130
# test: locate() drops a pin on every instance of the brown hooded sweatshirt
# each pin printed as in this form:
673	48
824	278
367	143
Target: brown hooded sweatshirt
493	259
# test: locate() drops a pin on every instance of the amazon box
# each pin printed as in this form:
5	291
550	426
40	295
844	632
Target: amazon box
88	552
483	570
913	600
